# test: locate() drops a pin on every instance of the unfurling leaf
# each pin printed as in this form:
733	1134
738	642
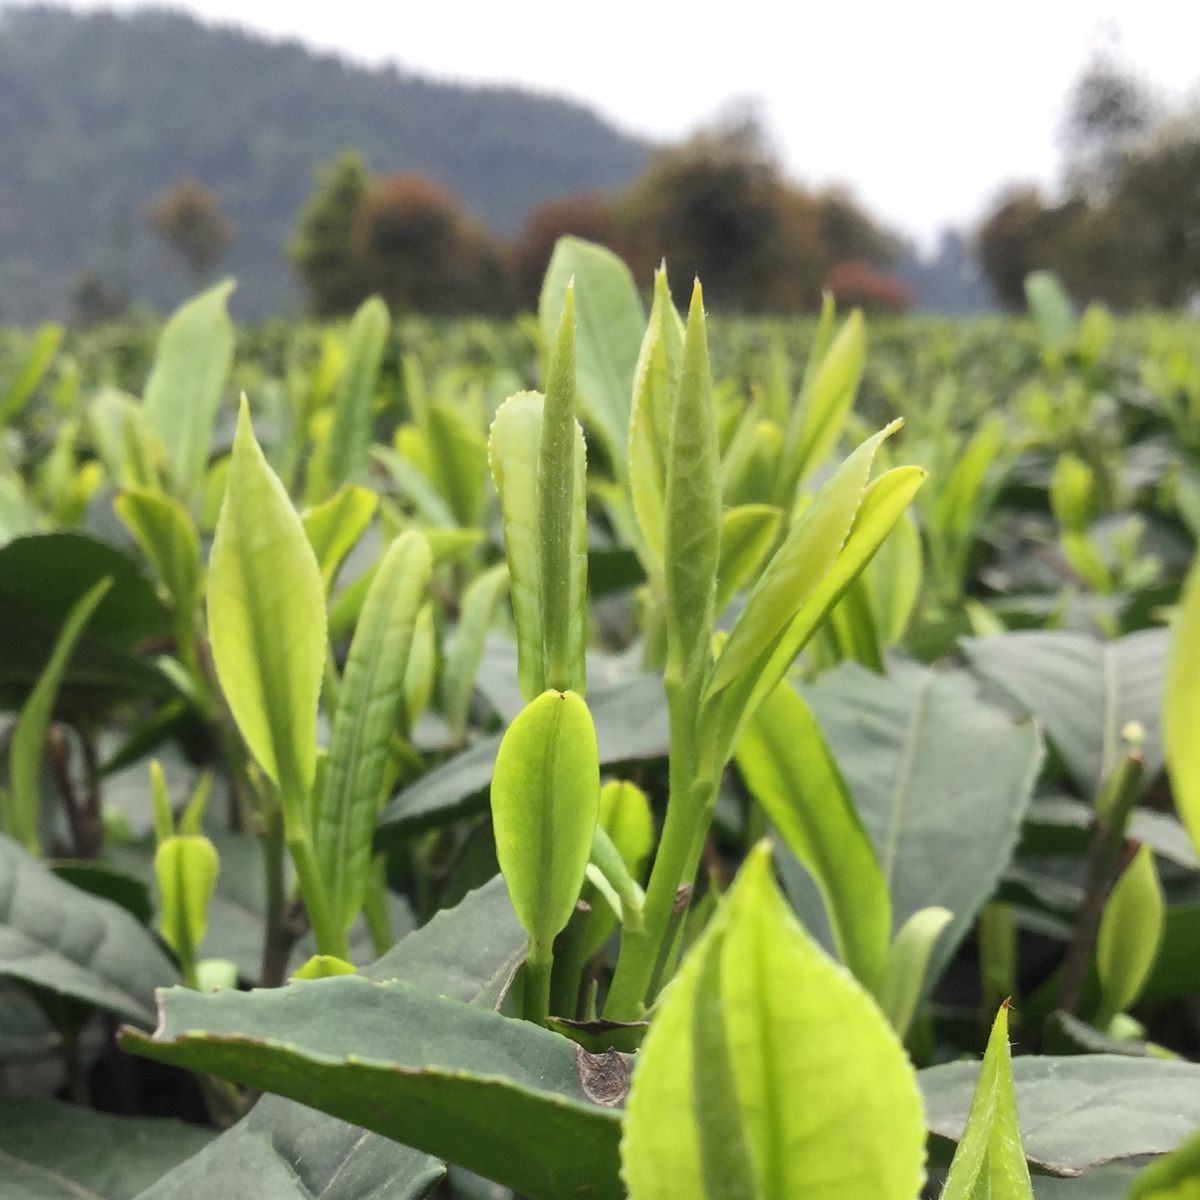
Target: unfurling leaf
989	1160
692	536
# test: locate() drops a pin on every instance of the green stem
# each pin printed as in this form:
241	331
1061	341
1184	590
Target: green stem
689	799
277	944
1117	797
569	962
331	937
375	911
537	986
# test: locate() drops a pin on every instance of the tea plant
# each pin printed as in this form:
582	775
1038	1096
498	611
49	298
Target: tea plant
791	788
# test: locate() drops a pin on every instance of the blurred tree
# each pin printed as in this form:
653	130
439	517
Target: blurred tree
322	249
717	206
94	301
188	217
1012	242
1108	111
1128	232
419	250
587	216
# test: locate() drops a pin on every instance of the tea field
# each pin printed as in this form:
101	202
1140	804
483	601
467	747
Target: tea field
616	752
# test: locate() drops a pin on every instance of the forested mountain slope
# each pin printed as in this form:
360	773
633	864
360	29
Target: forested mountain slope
100	112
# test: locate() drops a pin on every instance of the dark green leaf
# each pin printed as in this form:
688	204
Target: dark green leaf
1079	1112
285	1151
499	1097
55	1151
941	778
55	936
1084	691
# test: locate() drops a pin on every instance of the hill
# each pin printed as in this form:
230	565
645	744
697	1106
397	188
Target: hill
100	112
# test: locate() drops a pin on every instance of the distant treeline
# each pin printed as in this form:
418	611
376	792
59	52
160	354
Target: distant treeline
714	206
101	113
1126	227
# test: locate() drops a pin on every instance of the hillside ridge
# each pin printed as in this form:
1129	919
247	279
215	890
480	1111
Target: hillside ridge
99	112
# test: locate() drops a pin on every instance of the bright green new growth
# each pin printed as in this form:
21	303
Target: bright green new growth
545	802
335	526
266	616
347	454
514	451
806	557
562	554
788	768
184	390
186	867
1130	931
655	383
21	805
1181	708
907	963
692	532
369	706
166	534
266	621
989	1160
758	1013
611	320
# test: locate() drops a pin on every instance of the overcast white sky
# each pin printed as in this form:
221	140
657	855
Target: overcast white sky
925	109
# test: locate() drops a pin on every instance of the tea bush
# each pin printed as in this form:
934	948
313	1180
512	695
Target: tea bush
668	782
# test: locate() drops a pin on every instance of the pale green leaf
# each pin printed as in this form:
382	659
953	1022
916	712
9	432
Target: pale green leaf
465	650
164	530
184	390
37	362
562	517
458	456
1129	935
266	616
883	504
826	401
611	322
908	961
334	527
747	535
350	437
513	451
757	1015
369	707
545	803
788	769
793	575
1181	708
655	381
692	534
22	801
186	868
